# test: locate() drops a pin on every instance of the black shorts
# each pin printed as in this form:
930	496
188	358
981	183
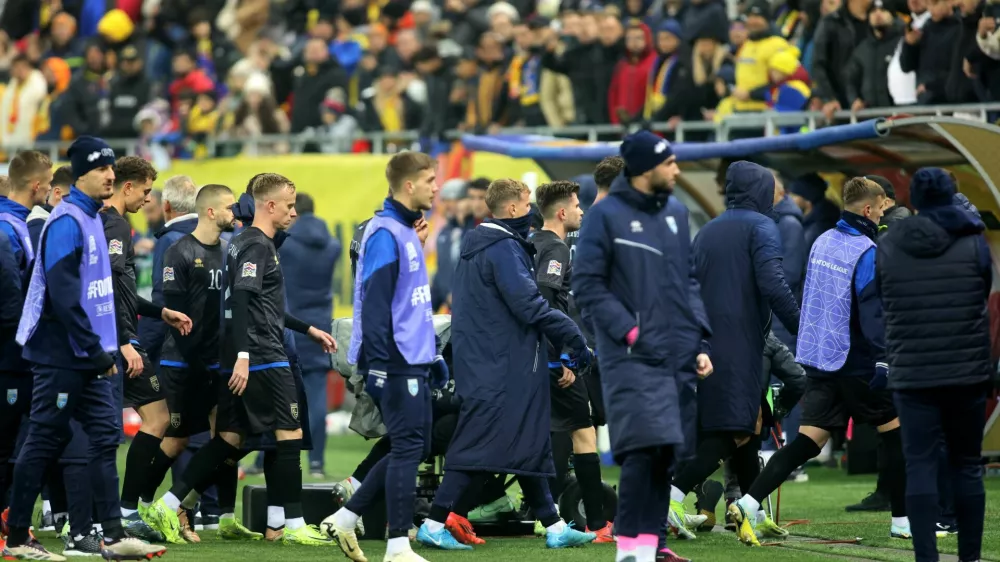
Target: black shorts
270	402
191	395
829	402
144	389
570	406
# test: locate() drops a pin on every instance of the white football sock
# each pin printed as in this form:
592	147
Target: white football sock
749	504
397	545
901	521
127	512
676	495
557	527
345	519
144	504
295	523
761	516
46	506
645	553
275	516
171	500
228	516
433	526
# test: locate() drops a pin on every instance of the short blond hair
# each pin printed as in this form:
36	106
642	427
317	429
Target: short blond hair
4	186
503	191
861	190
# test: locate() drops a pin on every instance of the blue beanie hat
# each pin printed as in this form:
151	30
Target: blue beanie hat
88	153
931	187
643	151
670	26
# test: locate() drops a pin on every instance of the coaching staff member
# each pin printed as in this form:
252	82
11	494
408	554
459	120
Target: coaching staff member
934	274
632	277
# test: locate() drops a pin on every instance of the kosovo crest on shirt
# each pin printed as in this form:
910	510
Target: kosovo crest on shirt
412	386
61	400
11	396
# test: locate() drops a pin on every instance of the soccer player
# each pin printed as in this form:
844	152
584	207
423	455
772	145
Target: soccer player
504	420
134	178
29	179
189	365
68	335
62	179
841	346
394	342
559	204
632	277
258	393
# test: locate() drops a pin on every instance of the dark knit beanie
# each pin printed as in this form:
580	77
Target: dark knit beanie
644	151
931	187
885	184
88	153
811	187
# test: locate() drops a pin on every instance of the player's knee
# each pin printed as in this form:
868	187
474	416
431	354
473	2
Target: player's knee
174	446
894	424
741	440
409	448
288	434
585	441
819	436
155	418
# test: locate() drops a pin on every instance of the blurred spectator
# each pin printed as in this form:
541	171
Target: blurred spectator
836	37
116	28
738	35
449	240
85	102
339	126
258	113
436	116
665	73
129	92
317	75
346	46
214	51
928	52
789	86
202	121
407	45
153	212
903	84
702	80
243	20
966	60
706	18
819	213
867	75
587	62
522	106
555	88
19	105
627	95
51	124
63	42
988	36
488	86
187	78
502	16
754	60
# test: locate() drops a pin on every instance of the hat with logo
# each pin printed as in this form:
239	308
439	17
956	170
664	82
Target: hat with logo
130	53
644	151
89	153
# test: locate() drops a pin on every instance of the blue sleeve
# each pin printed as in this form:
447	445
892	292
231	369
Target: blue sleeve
698	306
16	247
11	300
592	280
520	293
35	231
869	303
379	271
793	251
766	255
63	249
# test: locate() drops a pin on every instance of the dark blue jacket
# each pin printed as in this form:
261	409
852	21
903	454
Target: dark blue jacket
738	262
632	268
448	239
823	216
308	258
380	270
794	254
15	274
152	331
62	315
867	326
498	321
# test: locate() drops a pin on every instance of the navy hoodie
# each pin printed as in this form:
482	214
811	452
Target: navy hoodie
16	274
308	257
152	331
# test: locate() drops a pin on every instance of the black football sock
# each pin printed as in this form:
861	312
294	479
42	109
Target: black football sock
226	478
746	463
588	474
137	464
200	472
157	474
288	468
562	446
782	464
112	530
713	449
895	470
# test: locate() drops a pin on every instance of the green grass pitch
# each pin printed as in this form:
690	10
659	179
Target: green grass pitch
821	501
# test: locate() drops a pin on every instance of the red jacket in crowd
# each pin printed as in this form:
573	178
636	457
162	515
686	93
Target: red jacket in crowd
630	80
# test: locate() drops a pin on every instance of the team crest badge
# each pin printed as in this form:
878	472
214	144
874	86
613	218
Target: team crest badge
672	223
412	386
295	410
155	383
61	399
175	420
11	396
115	247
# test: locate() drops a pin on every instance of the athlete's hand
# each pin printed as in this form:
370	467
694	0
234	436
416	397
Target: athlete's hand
177	320
111	372
703	365
133	361
567	379
241	372
324	339
423	229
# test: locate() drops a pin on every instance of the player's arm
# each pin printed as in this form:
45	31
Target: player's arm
61	260
115	232
248	278
869	304
379	271
14	241
177	293
591	280
550	266
11	302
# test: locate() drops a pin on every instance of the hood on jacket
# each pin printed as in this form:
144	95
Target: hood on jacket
787	208
622	189
311	231
650	46
489	232
39	212
185	226
931	233
750	186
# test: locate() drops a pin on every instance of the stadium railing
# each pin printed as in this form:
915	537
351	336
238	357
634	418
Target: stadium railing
768	122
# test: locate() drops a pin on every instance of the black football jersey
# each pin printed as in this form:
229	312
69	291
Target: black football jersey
252	265
192	275
118	233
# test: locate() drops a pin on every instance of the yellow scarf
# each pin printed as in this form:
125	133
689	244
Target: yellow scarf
389	113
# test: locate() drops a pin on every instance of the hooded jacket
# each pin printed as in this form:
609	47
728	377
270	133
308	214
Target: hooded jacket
892	216
867	72
934	277
629	80
632	268
794	254
153	331
499	318
737	259
308	258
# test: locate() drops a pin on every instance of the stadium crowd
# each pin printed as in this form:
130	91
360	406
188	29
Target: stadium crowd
175	72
